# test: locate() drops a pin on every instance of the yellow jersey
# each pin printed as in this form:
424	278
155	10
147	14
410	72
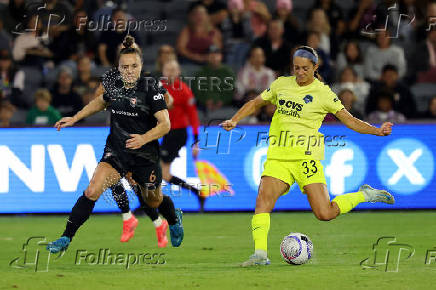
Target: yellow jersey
293	133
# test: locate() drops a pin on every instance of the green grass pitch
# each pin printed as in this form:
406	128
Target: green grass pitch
215	244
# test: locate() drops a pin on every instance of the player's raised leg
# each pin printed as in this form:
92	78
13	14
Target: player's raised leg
326	210
270	189
104	176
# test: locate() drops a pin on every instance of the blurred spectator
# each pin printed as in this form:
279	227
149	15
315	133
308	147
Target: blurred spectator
381	54
42	113
237	33
111	39
348	99
29	48
64	98
427	22
216	10
349	80
276	49
195	39
56	15
165	53
403	100
7	110
77	40
14	17
361	18
319	22
351	56
88	96
324	69
407	27
335	15
260	17
254	76
385	111
5	38
11	81
431	112
215	82
81	84
422	66
290	21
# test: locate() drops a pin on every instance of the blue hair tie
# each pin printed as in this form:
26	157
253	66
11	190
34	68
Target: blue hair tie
306	54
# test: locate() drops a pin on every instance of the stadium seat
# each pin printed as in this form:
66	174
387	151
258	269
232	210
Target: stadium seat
423	92
33	81
19	117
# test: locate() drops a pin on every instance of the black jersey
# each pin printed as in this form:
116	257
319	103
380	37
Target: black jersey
132	112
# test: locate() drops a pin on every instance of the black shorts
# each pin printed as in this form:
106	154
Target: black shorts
172	143
144	172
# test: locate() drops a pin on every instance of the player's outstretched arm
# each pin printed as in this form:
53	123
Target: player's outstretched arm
246	110
362	127
96	105
163	127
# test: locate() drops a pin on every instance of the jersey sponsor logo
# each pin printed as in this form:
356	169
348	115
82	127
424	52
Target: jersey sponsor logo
289	108
308	99
157	97
124	113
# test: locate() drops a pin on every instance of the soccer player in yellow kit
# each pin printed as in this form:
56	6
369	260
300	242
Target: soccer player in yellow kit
296	148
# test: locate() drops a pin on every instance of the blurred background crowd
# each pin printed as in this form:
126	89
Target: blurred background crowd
378	56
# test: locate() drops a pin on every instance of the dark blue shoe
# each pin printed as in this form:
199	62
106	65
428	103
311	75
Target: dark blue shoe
176	230
59	245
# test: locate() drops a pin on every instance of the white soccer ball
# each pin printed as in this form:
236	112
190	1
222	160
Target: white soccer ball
296	248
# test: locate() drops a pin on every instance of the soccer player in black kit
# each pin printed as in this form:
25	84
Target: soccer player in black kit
139	117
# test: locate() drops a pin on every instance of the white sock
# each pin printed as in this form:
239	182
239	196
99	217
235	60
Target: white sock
126	216
157	222
261	253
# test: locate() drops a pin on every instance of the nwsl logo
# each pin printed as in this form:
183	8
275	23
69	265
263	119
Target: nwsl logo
308	99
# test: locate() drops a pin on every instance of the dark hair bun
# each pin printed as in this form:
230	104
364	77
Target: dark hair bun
128	41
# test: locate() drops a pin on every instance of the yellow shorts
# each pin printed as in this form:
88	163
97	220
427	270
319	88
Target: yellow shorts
303	172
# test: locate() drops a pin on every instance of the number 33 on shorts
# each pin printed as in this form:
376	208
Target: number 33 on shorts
309	168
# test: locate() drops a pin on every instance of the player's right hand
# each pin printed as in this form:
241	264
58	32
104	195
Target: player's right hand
64	122
228	125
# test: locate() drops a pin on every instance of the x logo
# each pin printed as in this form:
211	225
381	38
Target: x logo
406	167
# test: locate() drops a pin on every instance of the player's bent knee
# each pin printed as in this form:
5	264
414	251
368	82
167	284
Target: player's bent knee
324	215
91	193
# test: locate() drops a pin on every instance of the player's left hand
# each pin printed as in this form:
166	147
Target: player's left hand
136	142
385	129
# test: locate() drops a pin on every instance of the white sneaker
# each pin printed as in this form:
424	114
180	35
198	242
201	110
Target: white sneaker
376	195
255	260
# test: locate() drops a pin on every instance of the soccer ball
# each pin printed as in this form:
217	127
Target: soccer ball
296	248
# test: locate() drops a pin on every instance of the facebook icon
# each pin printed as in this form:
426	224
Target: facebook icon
346	168
405	166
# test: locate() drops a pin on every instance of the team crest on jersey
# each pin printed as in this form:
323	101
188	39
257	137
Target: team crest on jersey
133	102
308	99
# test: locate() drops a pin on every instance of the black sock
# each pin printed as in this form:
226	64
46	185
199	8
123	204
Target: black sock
120	197
79	214
151	212
166	208
180	182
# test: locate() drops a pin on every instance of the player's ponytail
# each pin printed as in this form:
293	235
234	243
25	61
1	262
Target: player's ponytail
129	46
